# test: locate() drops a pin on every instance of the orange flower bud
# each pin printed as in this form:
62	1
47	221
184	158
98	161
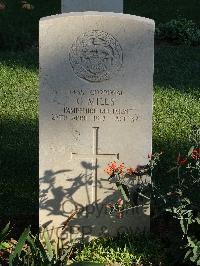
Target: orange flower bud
131	171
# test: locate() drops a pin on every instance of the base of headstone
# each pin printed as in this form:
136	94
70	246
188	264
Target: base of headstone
94	221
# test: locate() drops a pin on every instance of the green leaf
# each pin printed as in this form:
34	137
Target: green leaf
172	169
41	250
63	257
188	253
184	225
198	220
124	191
4	245
48	244
190	150
19	246
35	254
4	233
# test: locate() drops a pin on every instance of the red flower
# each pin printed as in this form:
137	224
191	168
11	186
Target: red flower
121	167
109	171
196	154
131	171
113	168
181	161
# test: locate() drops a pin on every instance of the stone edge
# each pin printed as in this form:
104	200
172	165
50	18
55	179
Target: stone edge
95	13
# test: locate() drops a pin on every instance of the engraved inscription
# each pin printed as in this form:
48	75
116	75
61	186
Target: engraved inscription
96	56
96	105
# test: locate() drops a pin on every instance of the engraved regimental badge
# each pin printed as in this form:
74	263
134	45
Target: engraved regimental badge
96	56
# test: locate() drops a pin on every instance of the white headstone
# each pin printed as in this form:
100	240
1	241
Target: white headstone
96	76
92	5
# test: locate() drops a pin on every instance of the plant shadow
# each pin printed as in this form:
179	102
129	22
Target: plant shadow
81	217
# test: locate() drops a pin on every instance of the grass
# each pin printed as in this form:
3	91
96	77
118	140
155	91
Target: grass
176	108
176	96
176	104
137	249
19	135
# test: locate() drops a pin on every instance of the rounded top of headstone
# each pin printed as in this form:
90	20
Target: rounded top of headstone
102	14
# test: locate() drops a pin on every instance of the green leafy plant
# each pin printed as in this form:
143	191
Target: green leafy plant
4	244
180	31
132	185
29	250
181	200
3	235
193	250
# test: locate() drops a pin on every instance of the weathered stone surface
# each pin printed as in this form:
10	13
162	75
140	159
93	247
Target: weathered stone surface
96	76
92	5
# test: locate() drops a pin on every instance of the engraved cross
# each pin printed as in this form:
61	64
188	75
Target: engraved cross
95	156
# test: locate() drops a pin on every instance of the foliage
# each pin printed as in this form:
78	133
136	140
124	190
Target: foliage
4	233
193	250
20	22
182	198
179	31
130	182
126	249
165	10
23	32
4	244
29	250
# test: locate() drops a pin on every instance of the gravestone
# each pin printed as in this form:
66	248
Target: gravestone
92	5
96	76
